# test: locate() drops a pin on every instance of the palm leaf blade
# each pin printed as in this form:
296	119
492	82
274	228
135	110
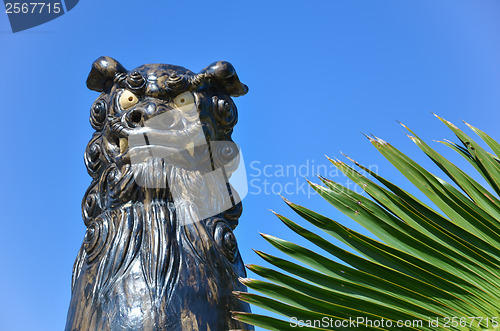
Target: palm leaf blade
421	263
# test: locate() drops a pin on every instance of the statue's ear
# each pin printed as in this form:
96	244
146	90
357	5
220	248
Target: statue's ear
103	72
224	75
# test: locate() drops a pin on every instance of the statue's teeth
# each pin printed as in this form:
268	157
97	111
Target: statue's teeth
123	145
190	148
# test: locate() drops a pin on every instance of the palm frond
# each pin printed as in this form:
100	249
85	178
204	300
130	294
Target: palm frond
428	269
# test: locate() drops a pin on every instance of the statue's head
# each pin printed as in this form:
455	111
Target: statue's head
158	126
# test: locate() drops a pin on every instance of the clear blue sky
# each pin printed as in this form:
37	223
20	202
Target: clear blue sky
319	73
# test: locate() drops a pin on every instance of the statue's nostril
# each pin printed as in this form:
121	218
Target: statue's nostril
135	117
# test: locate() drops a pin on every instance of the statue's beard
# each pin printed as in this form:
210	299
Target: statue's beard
159	233
197	193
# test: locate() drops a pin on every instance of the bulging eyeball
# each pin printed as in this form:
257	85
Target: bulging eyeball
184	101
127	99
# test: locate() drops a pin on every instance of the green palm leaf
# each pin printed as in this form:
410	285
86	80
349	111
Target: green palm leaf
427	269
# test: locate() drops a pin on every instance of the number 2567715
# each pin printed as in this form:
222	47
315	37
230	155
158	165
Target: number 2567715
32	8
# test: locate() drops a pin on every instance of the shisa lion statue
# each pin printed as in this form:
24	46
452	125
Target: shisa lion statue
159	251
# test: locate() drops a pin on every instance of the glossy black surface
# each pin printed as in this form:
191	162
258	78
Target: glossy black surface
149	261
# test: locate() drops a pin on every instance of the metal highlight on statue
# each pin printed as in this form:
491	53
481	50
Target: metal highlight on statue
159	252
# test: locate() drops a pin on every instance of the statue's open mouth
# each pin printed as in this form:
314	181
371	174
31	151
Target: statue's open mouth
156	148
185	147
141	153
174	149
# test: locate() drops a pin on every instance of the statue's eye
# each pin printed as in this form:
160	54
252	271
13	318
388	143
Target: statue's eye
184	101
128	99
